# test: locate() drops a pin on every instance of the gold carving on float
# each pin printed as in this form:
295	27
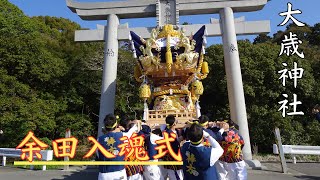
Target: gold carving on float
168	31
196	90
174	91
176	102
137	73
188	57
148	59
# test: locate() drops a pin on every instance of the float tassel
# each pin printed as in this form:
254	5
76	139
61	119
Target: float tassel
169	55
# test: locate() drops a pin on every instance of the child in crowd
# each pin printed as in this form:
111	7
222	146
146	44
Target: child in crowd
199	160
174	172
231	164
110	141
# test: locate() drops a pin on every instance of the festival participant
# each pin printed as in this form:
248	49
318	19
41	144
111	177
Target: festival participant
214	126
316	112
152	172
199	160
110	141
174	172
124	124
134	172
231	164
204	122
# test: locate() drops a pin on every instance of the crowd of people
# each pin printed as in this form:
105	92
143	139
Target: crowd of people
209	150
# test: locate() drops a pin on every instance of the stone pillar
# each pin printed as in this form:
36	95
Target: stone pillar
108	89
234	78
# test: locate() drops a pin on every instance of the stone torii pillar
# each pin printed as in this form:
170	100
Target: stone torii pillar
109	77
227	28
234	77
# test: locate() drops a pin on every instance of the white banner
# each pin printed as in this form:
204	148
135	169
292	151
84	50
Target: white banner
162	42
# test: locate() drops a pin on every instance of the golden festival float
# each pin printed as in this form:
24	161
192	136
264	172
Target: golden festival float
170	66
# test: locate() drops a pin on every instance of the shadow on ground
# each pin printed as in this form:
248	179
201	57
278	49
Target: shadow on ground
305	177
89	173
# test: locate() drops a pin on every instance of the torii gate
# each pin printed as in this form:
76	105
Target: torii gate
167	12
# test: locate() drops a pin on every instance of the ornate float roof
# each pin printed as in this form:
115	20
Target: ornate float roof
169	55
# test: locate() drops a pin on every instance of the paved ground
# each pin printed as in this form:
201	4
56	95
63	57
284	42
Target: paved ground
301	171
271	171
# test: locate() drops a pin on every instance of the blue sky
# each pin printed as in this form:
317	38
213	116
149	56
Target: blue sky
310	14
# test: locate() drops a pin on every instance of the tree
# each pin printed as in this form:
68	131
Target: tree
127	95
262	38
314	36
45	83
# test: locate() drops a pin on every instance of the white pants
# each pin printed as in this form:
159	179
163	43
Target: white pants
173	174
152	172
231	171
117	175
164	172
135	177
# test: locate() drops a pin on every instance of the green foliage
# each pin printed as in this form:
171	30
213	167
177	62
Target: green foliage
314	36
262	38
127	98
79	125
46	83
215	85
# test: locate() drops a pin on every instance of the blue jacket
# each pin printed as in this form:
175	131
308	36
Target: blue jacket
216	135
196	163
110	142
318	116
